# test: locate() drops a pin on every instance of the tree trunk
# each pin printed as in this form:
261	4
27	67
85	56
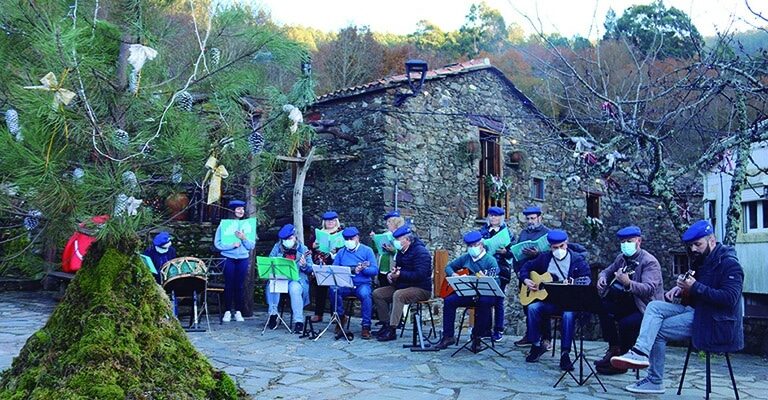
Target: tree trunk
733	214
298	196
250	281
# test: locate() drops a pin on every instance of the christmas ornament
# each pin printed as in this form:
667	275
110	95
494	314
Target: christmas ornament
176	173
32	220
215	56
256	140
12	120
139	54
294	114
184	101
60	95
216	172
129	180
78	174
133	82
124	204
121	138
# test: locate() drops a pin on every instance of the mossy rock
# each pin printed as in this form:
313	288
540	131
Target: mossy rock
113	336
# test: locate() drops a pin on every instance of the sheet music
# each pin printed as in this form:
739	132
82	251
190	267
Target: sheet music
333	275
475	286
278	286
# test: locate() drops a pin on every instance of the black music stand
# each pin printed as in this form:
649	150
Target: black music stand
337	276
475	286
576	298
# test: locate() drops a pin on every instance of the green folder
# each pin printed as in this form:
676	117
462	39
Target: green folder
148	262
277	268
229	226
380	239
327	241
498	241
541	244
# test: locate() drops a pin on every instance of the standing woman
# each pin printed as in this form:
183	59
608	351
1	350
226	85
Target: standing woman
386	259
331	225
291	248
235	264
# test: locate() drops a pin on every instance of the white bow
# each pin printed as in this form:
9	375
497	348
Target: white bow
127	204
582	143
613	157
139	54
294	114
60	95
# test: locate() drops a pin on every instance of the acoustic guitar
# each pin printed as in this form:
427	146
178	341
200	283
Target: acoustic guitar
684	297
446	289
527	296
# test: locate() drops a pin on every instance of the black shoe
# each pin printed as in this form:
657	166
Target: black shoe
524	342
535	354
610	370
272	324
445	342
298	328
390	333
383	331
565	362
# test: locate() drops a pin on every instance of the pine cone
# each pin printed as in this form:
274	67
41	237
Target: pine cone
215	56
184	101
256	140
122	138
12	120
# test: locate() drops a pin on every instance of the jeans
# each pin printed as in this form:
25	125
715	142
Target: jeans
498	307
363	293
385	295
482	313
295	291
235	275
540	311
662	322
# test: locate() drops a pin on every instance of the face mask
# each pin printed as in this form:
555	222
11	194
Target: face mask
559	253
288	243
350	244
474	251
532	226
398	245
162	250
628	249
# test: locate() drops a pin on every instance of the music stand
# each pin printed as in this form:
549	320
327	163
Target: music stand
576	298
475	286
279	271
337	276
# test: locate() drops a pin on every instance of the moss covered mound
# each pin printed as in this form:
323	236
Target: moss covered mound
113	336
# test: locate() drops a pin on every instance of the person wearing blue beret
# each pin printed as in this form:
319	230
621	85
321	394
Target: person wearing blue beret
331	226
534	229
711	317
160	252
627	286
290	247
410	281
495	224
362	263
475	261
563	264
235	264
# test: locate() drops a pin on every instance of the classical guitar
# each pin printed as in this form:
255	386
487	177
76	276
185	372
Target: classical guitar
446	289
683	297
616	287
527	296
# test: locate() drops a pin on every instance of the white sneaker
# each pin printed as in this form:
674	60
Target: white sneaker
227	317
238	316
630	360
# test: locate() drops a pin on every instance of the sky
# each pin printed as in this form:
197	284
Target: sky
568	17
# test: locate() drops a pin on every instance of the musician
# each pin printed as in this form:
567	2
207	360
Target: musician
410	281
235	265
331	225
713	320
475	260
288	246
627	286
563	264
160	252
361	260
534	229
386	259
495	224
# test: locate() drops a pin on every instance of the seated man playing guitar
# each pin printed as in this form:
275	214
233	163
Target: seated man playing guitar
475	261
563	265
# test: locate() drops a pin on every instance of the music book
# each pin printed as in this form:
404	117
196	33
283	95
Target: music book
498	241
229	226
277	268
380	239
540	244
327	241
470	285
148	262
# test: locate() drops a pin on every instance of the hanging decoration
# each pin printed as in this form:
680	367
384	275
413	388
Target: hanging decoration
215	56
124	204
184	101
138	55
12	120
129	180
77	175
582	143
294	114
133	82
256	141
32	220
613	157
61	96
216	172
176	173
122	138
497	188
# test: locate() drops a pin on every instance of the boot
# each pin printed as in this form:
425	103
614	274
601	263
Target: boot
389	334
342	322
606	360
384	329
366	333
445	342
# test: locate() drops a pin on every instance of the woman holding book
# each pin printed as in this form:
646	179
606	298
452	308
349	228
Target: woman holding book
386	256
288	246
324	256
235	251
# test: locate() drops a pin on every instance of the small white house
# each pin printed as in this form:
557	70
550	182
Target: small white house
752	240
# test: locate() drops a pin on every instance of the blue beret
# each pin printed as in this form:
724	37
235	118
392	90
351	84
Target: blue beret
391	214
350	232
161	239
495	211
236	203
330	215
531	210
402	231
472	237
697	231
286	231
556	236
629	232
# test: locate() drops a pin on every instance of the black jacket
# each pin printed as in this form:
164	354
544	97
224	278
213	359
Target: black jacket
415	266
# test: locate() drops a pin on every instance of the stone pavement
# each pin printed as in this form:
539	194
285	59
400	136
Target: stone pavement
279	366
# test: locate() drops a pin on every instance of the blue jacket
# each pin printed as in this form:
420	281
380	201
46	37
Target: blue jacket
159	259
349	258
230	251
487	264
716	298
415	266
279	251
579	267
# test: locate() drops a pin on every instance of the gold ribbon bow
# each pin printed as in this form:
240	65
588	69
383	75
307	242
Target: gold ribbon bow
216	172
60	95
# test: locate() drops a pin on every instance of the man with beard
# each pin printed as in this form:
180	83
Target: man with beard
713	320
534	229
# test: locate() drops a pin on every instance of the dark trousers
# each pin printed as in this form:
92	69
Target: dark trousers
321	295
235	274
482	313
620	321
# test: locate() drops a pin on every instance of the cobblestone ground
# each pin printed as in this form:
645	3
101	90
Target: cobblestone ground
278	365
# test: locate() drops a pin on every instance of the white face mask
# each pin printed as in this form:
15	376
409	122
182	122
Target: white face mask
629	248
288	243
559	254
162	250
350	244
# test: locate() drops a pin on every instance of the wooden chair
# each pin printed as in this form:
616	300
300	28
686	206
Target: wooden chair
708	369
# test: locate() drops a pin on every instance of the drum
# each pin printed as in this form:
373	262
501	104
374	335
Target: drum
184	275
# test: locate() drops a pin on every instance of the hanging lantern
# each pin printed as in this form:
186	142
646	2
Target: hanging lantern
121	138
129	180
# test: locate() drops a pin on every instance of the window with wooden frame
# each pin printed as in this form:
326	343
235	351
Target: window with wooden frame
681	263
490	165
537	188
711	212
593	205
